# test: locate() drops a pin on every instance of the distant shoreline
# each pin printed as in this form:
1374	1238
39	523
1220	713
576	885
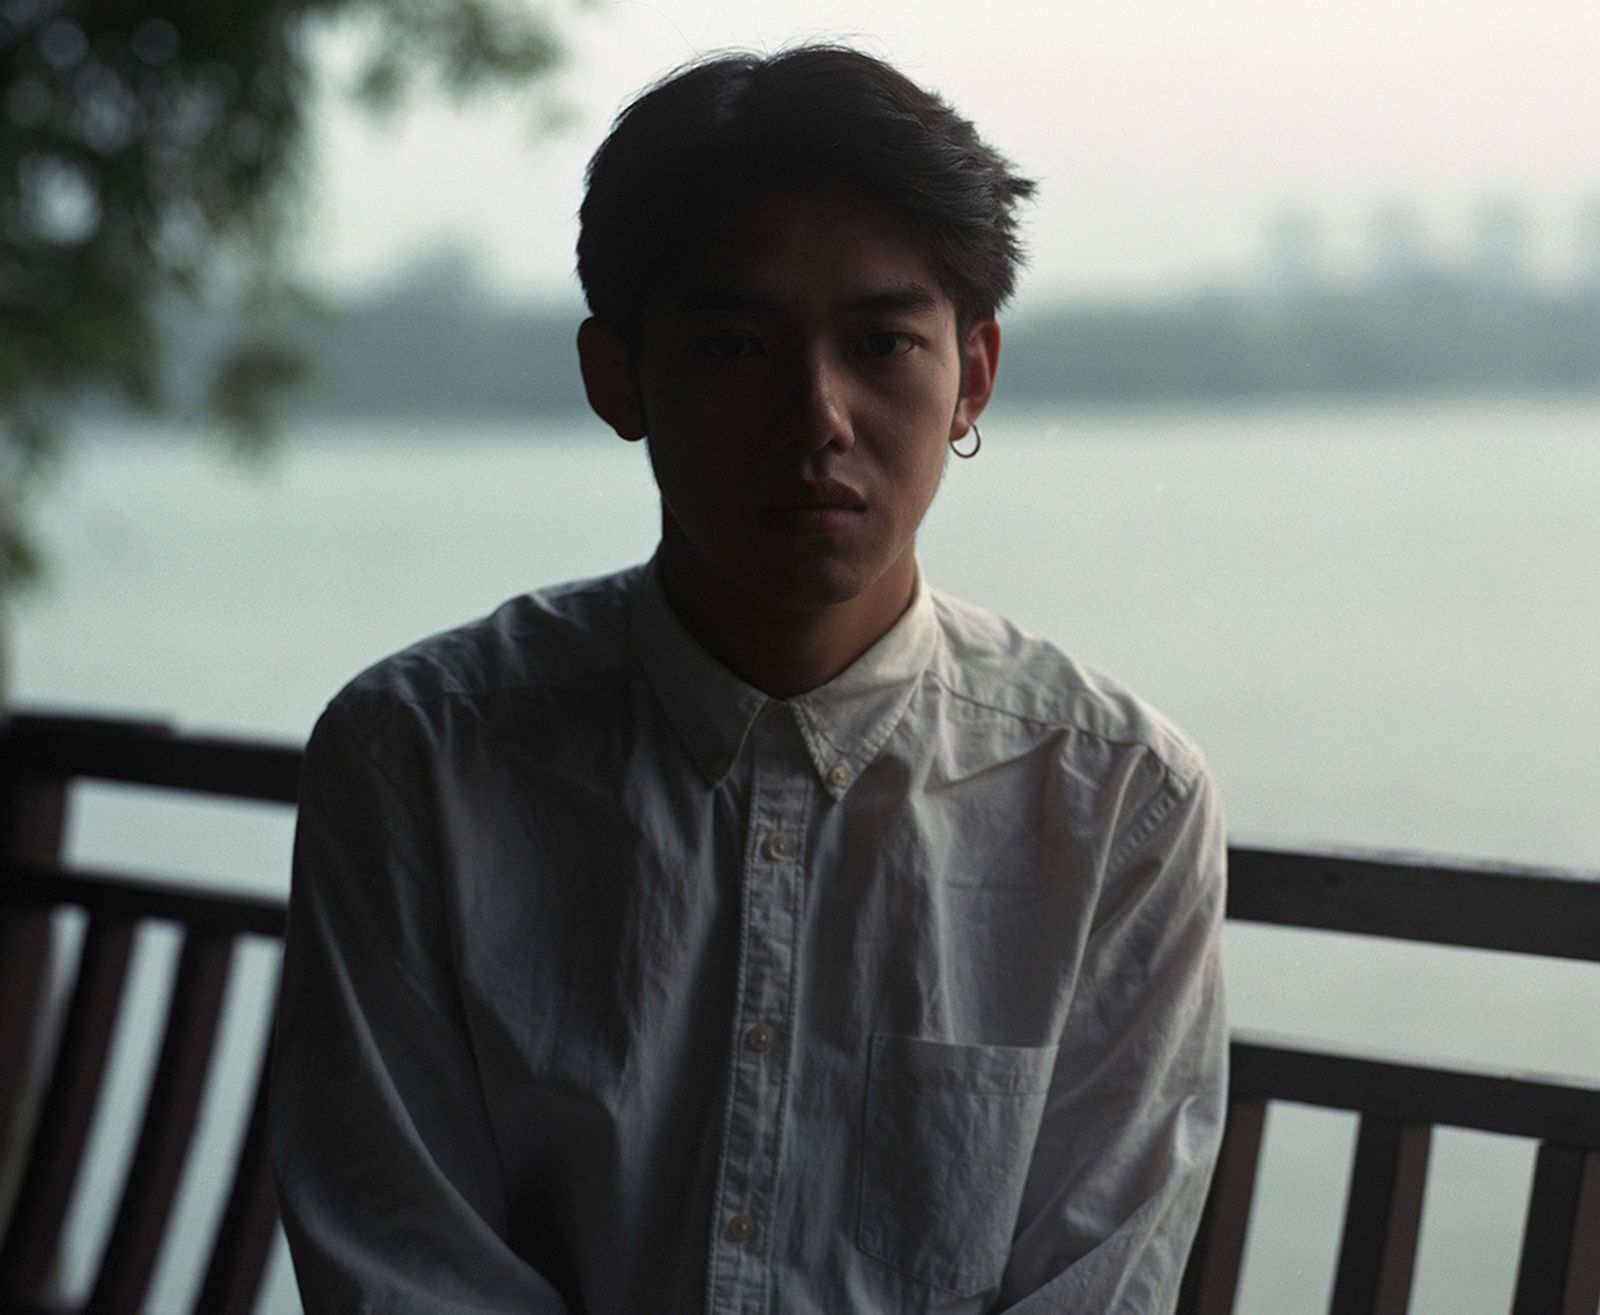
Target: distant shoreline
424	350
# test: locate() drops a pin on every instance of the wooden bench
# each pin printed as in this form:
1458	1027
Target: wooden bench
39	759
58	1077
1520	910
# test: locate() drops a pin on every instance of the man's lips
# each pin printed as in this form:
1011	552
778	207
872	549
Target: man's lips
830	494
813	508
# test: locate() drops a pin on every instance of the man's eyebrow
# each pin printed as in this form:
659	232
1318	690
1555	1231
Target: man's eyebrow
901	297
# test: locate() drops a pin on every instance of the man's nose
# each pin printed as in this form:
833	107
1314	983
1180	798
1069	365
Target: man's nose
815	413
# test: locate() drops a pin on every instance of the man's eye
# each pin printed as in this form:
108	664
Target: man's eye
886	343
731	346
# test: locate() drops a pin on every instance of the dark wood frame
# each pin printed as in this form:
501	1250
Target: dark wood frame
1518	909
39	759
1525	910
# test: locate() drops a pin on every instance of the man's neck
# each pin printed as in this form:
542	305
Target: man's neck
783	651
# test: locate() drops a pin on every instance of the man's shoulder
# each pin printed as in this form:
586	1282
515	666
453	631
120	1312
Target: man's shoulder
994	664
540	641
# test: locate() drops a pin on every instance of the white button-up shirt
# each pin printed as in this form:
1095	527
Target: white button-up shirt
614	986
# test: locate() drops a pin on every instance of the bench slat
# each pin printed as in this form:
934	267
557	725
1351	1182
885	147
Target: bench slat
27	939
169	1120
28	1255
1211	1280
1543	1109
48	885
1559	1272
32	822
1524	910
248	1226
1383	1216
150	754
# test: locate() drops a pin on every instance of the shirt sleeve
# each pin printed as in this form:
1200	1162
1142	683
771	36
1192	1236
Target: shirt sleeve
1134	1117
387	1173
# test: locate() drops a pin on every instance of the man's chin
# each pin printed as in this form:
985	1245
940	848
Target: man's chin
799	575
807	590
813	583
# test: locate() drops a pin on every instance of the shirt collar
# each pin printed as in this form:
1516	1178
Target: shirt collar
843	723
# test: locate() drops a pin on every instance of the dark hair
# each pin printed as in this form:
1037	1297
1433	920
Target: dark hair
720	130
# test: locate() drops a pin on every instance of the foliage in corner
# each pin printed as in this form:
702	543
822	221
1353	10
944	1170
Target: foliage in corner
152	149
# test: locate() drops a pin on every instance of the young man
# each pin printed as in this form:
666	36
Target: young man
758	930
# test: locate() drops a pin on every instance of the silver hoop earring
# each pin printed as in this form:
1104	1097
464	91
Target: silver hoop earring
977	442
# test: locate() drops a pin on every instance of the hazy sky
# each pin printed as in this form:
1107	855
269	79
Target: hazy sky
1165	133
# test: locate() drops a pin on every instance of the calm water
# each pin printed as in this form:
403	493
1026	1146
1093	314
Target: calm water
1381	622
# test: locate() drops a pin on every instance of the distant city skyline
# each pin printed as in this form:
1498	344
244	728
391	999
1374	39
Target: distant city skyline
1165	135
1504	245
1294	249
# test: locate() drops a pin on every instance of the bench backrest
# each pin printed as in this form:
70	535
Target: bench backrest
1399	1103
1523	910
55	1101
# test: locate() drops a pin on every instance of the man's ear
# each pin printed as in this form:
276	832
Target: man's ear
608	379
980	358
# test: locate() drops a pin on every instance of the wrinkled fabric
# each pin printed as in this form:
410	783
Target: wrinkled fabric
614	986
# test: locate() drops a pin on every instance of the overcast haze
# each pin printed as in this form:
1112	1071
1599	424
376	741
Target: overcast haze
1165	134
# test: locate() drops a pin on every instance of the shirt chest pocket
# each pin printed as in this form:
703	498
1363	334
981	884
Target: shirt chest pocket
948	1135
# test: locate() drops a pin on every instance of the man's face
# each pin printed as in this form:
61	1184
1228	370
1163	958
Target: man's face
800	385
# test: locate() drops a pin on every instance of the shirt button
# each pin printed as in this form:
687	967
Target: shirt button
760	1037
780	846
740	1228
780	718
839	776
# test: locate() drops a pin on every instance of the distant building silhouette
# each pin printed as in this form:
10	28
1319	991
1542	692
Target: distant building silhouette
1499	261
1588	264
1293	254
1399	255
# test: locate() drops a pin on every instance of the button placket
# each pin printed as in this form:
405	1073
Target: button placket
782	794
